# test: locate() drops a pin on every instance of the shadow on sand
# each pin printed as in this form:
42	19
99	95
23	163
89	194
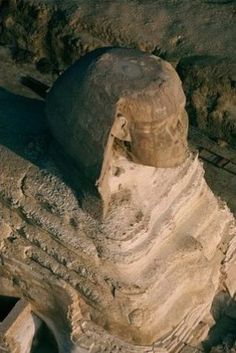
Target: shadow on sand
23	126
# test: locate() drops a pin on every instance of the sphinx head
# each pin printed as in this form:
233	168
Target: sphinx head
119	97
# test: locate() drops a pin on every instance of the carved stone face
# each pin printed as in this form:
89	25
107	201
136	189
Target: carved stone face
123	94
156	130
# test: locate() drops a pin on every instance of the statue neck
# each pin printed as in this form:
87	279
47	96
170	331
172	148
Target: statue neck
132	185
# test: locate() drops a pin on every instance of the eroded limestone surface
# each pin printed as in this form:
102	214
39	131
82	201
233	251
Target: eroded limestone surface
140	278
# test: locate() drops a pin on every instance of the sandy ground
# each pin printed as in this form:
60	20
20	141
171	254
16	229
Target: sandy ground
222	182
62	30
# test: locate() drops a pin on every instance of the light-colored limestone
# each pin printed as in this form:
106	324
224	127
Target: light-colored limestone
18	329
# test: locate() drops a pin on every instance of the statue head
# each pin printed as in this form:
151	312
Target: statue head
119	96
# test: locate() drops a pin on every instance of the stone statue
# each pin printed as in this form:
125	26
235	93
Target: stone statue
137	272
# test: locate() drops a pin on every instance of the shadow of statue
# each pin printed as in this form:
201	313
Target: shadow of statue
24	130
23	125
223	333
